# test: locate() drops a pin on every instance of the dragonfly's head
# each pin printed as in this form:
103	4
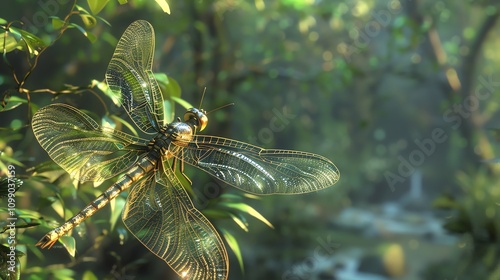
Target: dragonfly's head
197	117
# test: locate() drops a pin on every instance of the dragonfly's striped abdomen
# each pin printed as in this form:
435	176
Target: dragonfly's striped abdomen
142	167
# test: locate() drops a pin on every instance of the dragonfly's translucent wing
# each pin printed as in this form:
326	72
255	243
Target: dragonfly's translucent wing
77	143
258	170
161	215
129	74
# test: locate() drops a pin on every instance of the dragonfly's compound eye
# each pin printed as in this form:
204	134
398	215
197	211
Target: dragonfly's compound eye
197	115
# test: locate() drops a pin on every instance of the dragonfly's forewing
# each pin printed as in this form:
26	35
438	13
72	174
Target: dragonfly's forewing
77	143
129	74
161	215
258	170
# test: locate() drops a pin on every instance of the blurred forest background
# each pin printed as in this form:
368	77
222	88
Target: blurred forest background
402	95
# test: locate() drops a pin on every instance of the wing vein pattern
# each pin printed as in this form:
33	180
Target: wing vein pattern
161	215
130	75
257	170
82	148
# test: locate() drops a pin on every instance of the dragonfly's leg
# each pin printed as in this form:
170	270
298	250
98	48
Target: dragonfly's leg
183	174
174	165
181	168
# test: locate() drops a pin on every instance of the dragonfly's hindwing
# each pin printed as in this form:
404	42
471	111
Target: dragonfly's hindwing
161	215
258	170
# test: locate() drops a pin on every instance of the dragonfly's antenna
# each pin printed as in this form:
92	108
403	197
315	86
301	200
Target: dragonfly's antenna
201	101
202	96
223	106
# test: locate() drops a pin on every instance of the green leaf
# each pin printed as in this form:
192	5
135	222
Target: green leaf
8	42
249	210
215	213
45	166
32	42
108	122
117	205
182	102
170	89
169	86
232	196
114	96
89	36
242	224
122	2
104	20
29	217
9	185
233	244
88	20
97	5
57	23
69	243
168	110
8	159
164	6
11	102
3	167
82	10
3	21
252	196
64	274
89	275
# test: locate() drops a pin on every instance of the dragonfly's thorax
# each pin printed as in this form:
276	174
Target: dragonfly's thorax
180	132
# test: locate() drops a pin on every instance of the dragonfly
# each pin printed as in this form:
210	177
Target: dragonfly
158	210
